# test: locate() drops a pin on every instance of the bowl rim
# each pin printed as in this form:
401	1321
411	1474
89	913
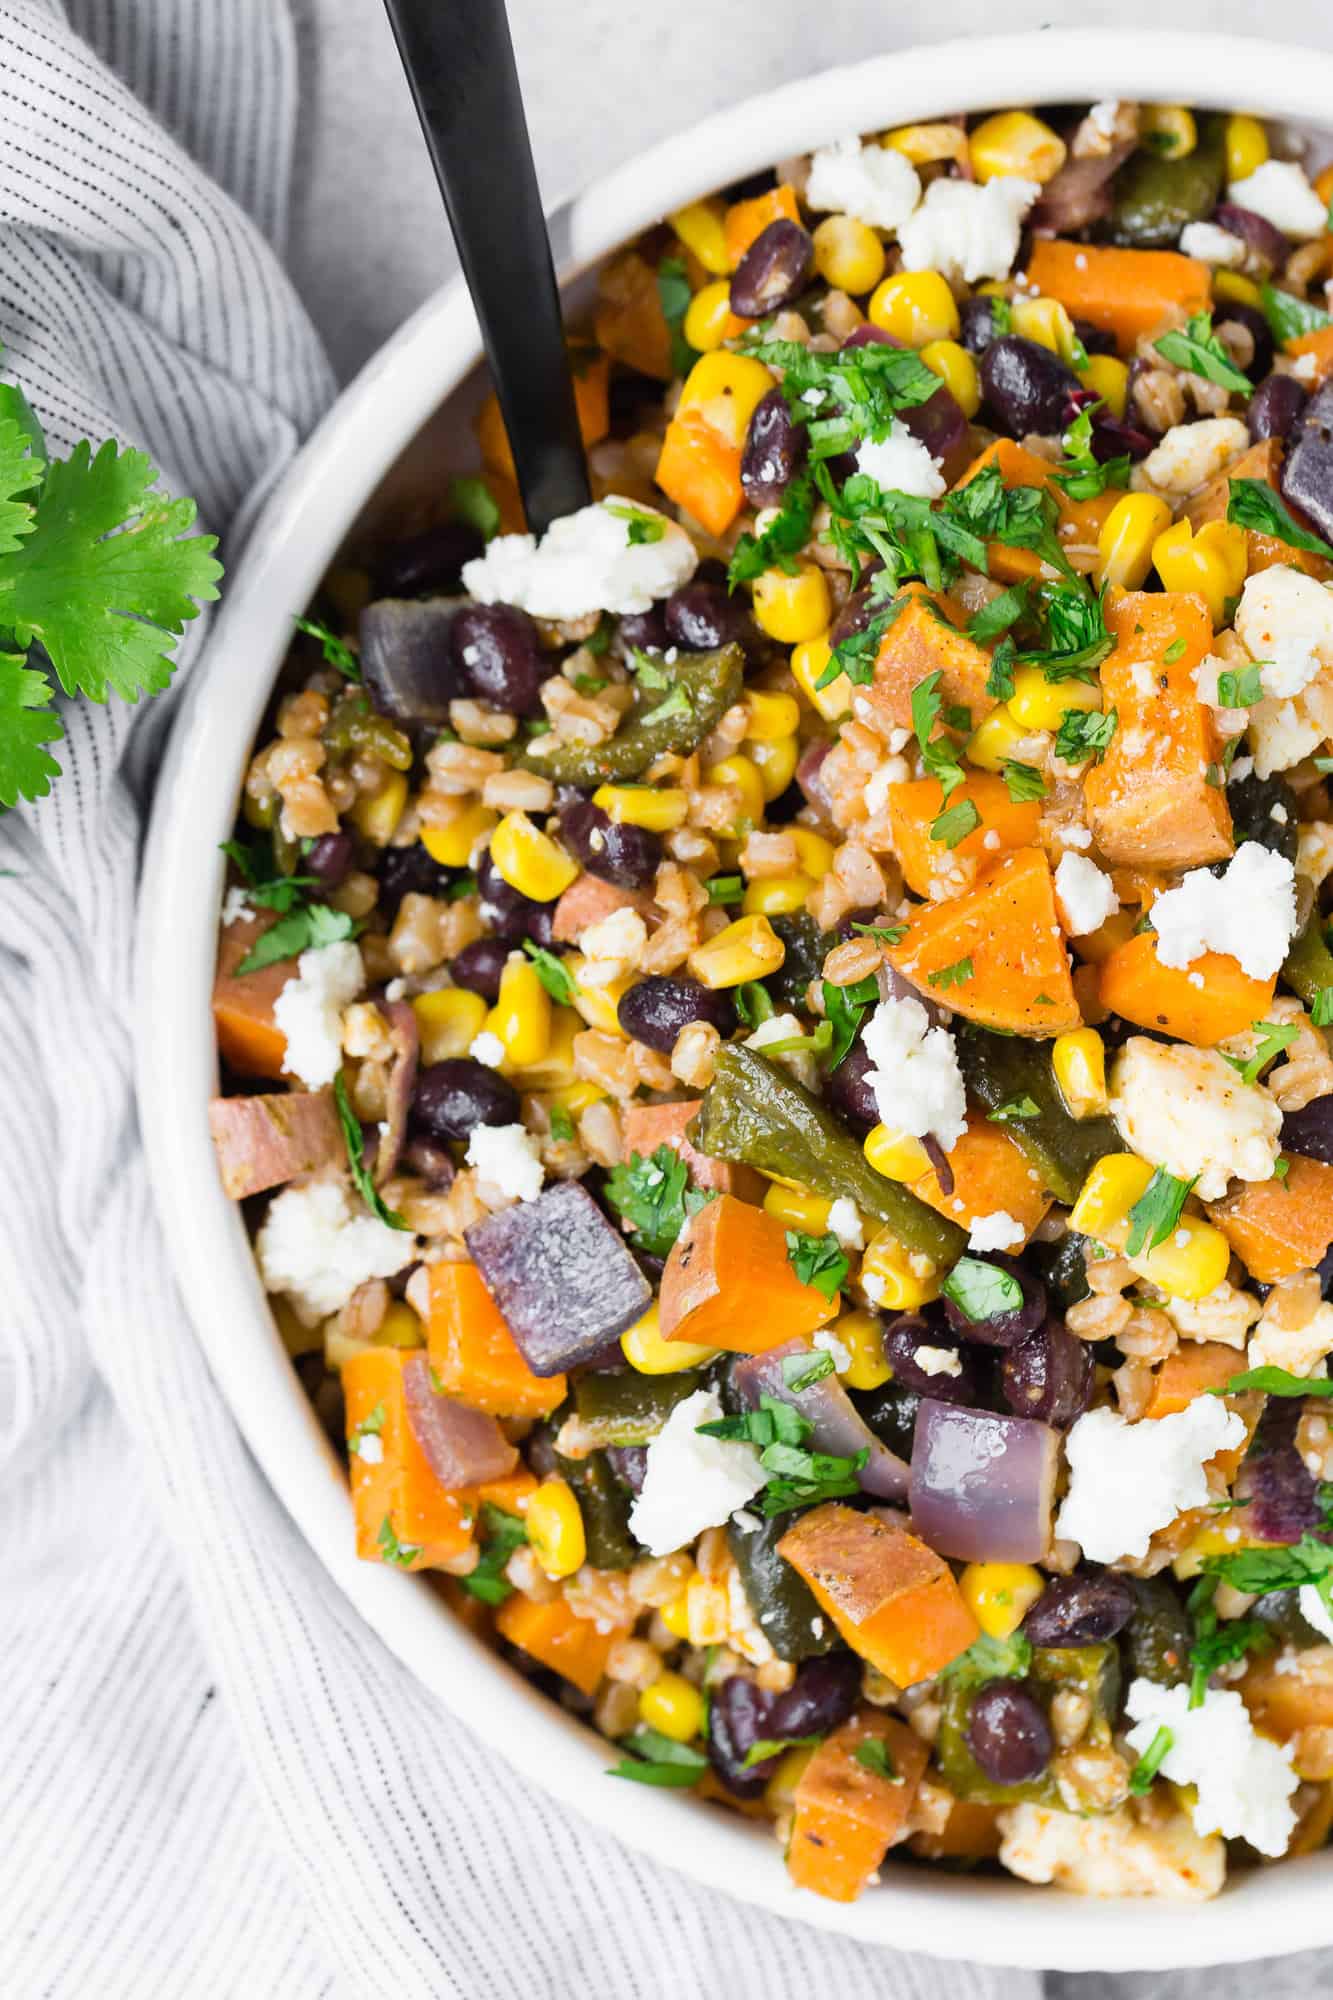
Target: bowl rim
293	538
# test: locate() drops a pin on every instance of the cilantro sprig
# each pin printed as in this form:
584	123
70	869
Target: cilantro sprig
501	1534
818	1261
337	653
654	1197
655	1759
1274	1036
1254	504
797	1476
1288	316
1081	473
354	1140
1156	1212
1196	347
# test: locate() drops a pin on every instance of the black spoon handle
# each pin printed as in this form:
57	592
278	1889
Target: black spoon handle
459	60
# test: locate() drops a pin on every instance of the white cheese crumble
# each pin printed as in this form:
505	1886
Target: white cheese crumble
996	1232
585	562
509	1157
968	230
915	1077
1084	896
1113	1854
1191	454
900	463
1285	621
1244	1781
369	1449
309	1011
828	1343
236	906
1212	245
1280	191
937	1360
1314	1610
876	184
487	1048
1249	912
1187	1110
786	1028
316	1245
612	948
1128	1480
844	1220
690	1482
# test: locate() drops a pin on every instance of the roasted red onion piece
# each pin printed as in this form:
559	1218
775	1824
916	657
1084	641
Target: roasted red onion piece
1283	1494
808	778
402	1080
461	1446
839	1428
982	1485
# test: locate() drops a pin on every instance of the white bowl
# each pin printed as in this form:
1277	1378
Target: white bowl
360	442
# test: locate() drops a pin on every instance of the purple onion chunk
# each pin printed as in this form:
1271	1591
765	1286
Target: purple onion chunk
1307	474
839	1428
1283	1495
982	1485
463	1447
561	1274
406	659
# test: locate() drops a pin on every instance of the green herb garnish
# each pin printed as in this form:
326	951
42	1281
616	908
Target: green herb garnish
1141	1777
818	1261
1023	782
654	1197
1273	1038
501	1534
1156	1212
472	501
956	974
1254	504
982	1291
354	1140
337	653
1197	348
1084	733
551	973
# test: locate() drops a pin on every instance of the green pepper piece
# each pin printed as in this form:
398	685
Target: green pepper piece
1092	1670
754	1113
354	725
604	1502
630	1408
806	948
1309	964
1155	197
1158	1637
1000	1069
1062	1267
784	1607
662	722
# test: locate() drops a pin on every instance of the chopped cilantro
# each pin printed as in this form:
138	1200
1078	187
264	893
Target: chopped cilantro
1021	517
1084	733
955	823
1081	473
1000	614
1288	316
551	973
1015	1107
1254	504
844	1010
472	501
1241	688
982	1291
1196	347
956	974
306	927
1321	1008
1276	1381
1000	678
673	291
802	1371
797	1477
889	934
853	393
337	653
653	1195
501	1534
818	1261
401	1554
773	1746
1156	1212
1077	640
752	1003
562	1125
988	1659
1023	782
1141	1777
781	541
939	754
643	526
369	1426
655	1759
354	1140
1273	1038
873	1755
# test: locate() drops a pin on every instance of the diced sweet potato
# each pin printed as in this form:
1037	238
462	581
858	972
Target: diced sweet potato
1123	292
922	640
587	901
1279	1227
1149	800
552	1635
472	1351
1285	1699
1319	342
998	952
591	379
700	470
745	221
1196	1367
892	1598
263	1141
1203	1002
403	1514
729	1283
648	1126
1079	523
971	1833
1262	461
849	1807
561	1275
931	869
628	321
991	1175
249	1039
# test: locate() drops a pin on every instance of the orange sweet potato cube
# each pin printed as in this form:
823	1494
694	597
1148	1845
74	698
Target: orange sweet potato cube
998	952
700	470
403	1514
746	221
1203	1002
1124	292
729	1283
922	640
1196	1367
1279	1227
931	869
472	1352
249	1039
1078	524
849	1807
553	1636
991	1176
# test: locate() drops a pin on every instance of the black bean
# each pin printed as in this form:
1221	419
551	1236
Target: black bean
977	328
496	652
328	858
775	449
940	425
1049	1376
478	966
1250	317
1008	1734
819	1700
1275	407
1003	1329
1256	232
891	1412
738	1717
408	871
429	561
614	851
512	915
450	1098
1265	810
1026	386
646	630
700	616
654	1010
909	1331
1096	339
1081	1610
773	271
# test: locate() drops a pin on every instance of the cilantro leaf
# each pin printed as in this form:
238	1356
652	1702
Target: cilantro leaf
501	1534
1077	638
656	1759
1015	1107
939	754
781	541
1000	614
1081	473
653	1195
853	393
562	1125
1241	688
1276	1381
802	1371
844	1010
337	653
21	472
673	291
551	973
354	1140
955	823
1141	1777
643	526
27	724
401	1554
1288	316
1254	504
956	974
982	1291
307	928
1321	1008
773	1746
1000	679
988	1659
1021	517
1084	733
1156	1212
1273	1038
873	1755
889	934
1023	782
752	1003
818	1261
1197	348
471	501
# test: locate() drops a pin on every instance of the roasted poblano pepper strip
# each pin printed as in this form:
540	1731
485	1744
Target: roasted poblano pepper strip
1155	197
757	1115
1091	1670
1002	1070
629	1408
1308	969
670	721
782	1603
1157	1640
604	1502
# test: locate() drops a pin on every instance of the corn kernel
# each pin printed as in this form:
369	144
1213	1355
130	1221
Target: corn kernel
400	1327
673	1706
521	1016
896	1155
676	1615
769	716
808	663
848	255
863	1336
1169	129
1046	322
1037	703
597	1004
1124	546
453	845
555	1529
894	1279
709	1610
646	1350
1191	1263
748	949
780	1791
916	307
1014	142
792	608
1079	1062
555	1070
797	1208
448	1022
726	389
815	854
578	1096
776	895
699	227
923	144
1107	377
1246	146
993	742
743	774
1211	562
376	814
1000	1595
709	319
1235	285
776	764
957	369
529	860
1111	1189
659	808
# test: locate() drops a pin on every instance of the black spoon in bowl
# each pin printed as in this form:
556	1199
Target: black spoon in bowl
459	60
